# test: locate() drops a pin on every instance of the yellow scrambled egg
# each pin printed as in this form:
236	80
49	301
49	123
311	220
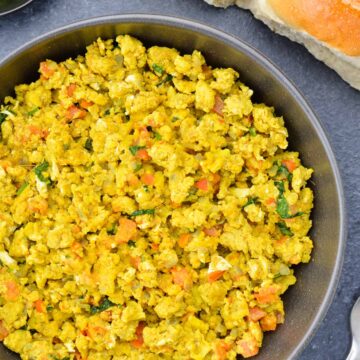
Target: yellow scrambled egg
149	209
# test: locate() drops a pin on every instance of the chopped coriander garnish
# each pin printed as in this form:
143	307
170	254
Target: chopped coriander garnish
89	144
157	136
252	131
158	69
3	117
175	118
104	305
143	212
22	188
167	78
282	206
135	148
280	186
138	167
23	327
251	201
107	112
131	243
285	230
39	172
49	308
33	111
146	188
112	230
284	172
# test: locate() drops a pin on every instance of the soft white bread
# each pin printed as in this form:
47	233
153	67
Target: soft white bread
330	29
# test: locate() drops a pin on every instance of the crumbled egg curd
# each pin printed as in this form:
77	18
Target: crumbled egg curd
149	210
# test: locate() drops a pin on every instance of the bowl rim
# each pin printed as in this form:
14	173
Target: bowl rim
240	45
18	7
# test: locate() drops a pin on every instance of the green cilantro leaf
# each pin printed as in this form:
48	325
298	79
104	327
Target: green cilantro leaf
158	69
104	305
33	111
39	172
89	144
167	78
284	229
22	188
251	201
135	148
282	206
3	117
143	212
112	230
131	243
252	131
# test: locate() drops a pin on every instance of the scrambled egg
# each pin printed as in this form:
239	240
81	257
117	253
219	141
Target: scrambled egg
149	209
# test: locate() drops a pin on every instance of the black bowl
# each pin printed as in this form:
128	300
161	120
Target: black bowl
8	6
307	302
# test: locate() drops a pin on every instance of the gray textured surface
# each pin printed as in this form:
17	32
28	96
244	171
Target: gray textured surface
337	105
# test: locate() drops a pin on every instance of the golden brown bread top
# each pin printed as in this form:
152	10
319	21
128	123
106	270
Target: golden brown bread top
335	22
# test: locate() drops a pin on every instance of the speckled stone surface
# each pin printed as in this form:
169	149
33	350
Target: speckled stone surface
336	104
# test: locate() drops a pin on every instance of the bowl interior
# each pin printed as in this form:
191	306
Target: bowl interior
307	301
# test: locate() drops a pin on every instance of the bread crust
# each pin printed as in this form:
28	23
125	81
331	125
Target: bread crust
347	66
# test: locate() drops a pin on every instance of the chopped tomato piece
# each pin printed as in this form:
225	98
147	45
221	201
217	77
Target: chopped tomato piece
222	349
184	240
126	231
267	295
34	130
133	180
96	330
211	232
45	70
248	348
219	105
85	104
155	246
73	112
182	277
215	275
135	261
290	164
38	206
269	322
271	202
256	314
139	341
39	306
142	154
3	331
202	184
12	290
70	90
5	164
148	179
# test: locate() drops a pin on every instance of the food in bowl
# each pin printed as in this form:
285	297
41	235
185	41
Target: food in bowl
149	209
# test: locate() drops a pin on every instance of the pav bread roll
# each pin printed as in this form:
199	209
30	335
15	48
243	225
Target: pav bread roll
330	29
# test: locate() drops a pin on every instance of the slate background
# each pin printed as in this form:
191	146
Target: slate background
336	104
